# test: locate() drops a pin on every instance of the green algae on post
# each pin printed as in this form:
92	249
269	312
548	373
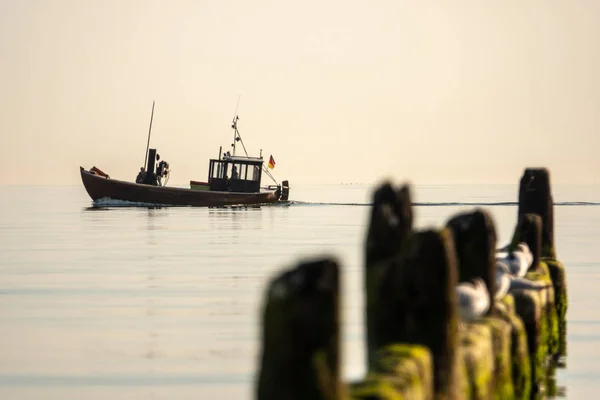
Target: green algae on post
402	371
501	347
478	356
559	282
519	351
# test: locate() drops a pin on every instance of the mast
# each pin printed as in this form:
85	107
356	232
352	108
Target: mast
236	136
149	131
236	133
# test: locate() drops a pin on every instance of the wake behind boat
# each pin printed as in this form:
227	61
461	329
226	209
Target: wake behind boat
232	180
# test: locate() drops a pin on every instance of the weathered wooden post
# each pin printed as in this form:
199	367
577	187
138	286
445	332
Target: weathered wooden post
537	307
300	336
475	243
519	349
417	305
390	225
528	231
528	303
489	338
535	197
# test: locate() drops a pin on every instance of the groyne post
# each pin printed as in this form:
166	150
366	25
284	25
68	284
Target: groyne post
535	197
391	222
417	305
300	355
486	343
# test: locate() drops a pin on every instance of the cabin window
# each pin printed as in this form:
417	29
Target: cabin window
255	173
218	170
235	171
238	171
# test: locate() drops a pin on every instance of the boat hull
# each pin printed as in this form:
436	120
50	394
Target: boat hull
99	187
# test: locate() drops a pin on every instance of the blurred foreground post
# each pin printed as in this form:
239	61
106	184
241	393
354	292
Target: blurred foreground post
300	337
390	225
417	305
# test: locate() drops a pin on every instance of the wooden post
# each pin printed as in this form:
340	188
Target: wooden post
300	337
417	304
529	231
534	307
391	223
535	197
475	243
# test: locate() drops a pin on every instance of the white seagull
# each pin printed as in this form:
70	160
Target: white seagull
506	281
518	261
503	278
473	299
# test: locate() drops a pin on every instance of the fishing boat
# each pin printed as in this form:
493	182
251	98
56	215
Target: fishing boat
232	180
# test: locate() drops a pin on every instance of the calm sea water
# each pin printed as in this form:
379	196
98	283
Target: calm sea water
137	303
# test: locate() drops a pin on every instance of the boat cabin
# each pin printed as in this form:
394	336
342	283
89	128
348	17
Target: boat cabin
235	174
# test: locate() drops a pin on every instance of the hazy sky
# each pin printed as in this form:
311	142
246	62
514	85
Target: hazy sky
337	91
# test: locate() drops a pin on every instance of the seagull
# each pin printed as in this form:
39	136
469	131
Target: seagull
507	282
518	261
473	299
503	279
527	284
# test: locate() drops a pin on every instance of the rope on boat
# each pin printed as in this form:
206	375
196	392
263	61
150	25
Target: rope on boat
269	174
238	137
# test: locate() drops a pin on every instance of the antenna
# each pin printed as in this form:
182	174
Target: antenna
237	105
234	125
149	131
236	134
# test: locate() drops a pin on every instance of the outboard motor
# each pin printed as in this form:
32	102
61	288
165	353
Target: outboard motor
285	191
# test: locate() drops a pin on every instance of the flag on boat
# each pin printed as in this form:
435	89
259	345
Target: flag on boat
271	162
